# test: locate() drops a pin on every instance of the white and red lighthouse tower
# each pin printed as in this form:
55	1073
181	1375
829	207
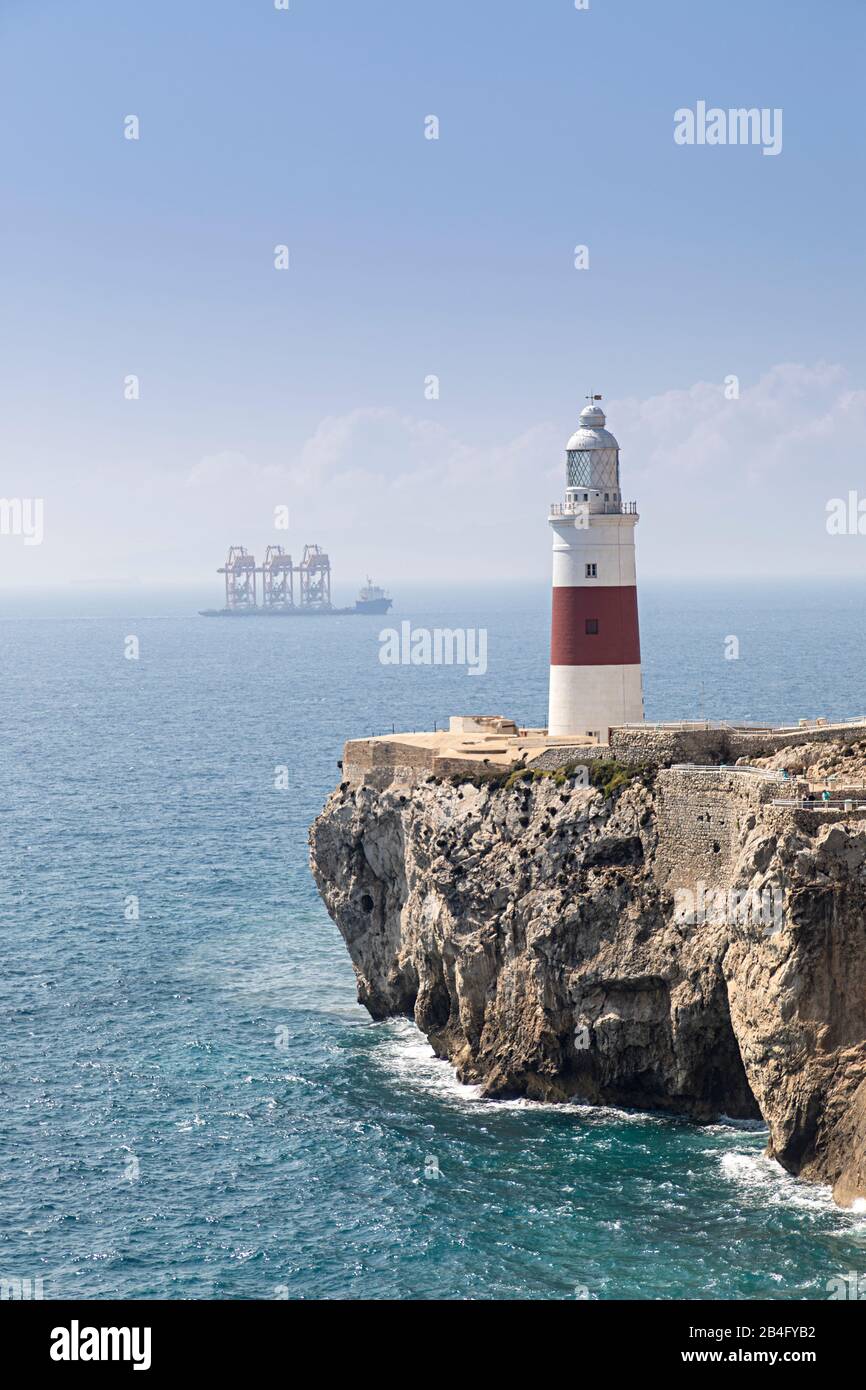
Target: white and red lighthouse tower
595	677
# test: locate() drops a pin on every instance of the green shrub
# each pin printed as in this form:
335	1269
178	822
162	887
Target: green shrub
610	776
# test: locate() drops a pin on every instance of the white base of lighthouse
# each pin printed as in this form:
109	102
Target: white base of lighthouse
588	700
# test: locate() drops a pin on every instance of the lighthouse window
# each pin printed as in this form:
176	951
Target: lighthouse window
592	627
580	467
592	571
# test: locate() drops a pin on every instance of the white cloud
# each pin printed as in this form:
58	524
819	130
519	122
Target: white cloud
724	487
728	486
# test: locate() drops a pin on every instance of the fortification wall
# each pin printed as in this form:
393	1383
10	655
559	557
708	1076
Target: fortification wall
363	756
745	744
663	746
666	746
701	817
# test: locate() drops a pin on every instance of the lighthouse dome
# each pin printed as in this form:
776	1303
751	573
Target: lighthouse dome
593	453
591	432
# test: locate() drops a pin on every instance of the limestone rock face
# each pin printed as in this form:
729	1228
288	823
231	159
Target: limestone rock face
556	943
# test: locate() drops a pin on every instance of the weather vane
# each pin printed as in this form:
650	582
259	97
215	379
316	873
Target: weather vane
592	397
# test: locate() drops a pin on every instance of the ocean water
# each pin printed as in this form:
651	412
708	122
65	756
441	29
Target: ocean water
194	1104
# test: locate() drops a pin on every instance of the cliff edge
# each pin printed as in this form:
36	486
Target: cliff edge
662	938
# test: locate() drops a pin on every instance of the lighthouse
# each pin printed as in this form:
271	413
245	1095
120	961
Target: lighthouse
595	677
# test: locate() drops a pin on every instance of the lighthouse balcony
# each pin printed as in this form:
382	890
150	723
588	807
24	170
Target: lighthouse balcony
596	508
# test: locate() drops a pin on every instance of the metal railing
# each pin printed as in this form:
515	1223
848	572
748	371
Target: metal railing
743	726
590	509
678	725
836	803
768	773
805	725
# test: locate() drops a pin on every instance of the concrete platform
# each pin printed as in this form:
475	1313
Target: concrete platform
472	744
478	743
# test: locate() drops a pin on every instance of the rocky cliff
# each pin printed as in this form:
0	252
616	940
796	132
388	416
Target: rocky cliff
659	940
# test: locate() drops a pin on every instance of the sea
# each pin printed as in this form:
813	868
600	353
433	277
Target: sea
194	1104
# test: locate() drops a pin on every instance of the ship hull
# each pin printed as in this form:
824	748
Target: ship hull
372	605
289	612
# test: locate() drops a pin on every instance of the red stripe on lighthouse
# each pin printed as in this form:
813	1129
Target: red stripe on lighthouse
617	642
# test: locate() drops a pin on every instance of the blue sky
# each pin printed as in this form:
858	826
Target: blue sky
412	257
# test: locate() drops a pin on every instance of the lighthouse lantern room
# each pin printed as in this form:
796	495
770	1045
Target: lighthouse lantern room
595	674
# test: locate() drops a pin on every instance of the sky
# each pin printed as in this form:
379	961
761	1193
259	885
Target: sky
410	258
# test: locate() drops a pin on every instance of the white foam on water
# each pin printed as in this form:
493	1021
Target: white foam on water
295	1079
186	1126
750	1126
406	1054
763	1178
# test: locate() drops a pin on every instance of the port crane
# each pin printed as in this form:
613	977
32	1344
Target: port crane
240	572
278	580
277	571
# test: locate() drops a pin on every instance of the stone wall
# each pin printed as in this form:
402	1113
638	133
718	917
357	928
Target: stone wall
701	817
362	756
664	746
745	744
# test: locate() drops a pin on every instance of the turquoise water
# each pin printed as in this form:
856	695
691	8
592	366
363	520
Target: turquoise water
194	1104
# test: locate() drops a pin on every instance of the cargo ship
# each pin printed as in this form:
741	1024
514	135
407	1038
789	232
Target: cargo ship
372	599
280	598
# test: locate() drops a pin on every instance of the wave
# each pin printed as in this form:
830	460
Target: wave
405	1053
762	1180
